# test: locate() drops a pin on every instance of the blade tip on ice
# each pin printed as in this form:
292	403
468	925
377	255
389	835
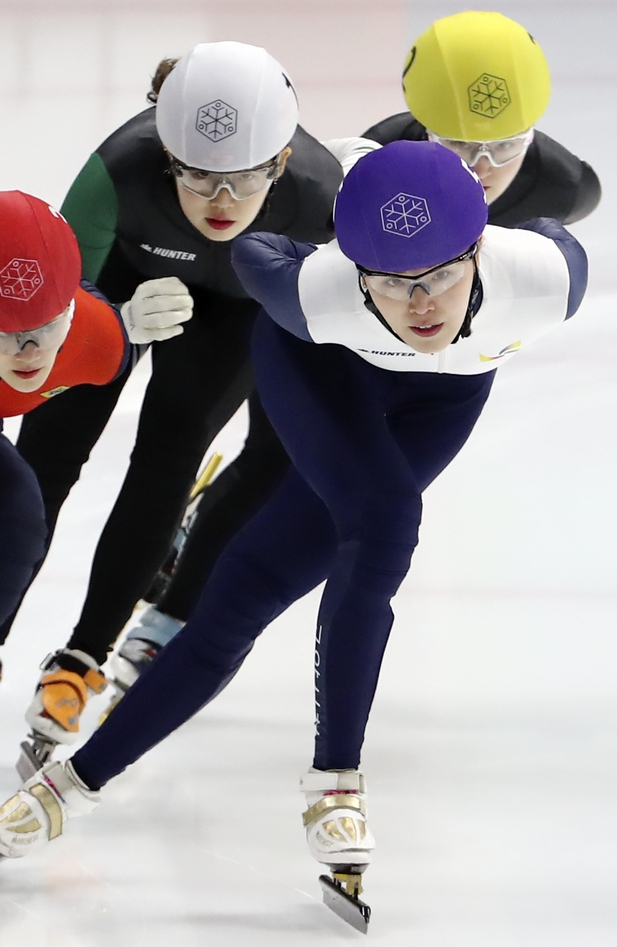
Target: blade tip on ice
352	910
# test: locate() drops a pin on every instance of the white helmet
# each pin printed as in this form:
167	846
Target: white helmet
226	107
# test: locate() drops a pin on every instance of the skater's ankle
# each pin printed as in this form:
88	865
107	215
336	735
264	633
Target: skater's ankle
85	653
81	773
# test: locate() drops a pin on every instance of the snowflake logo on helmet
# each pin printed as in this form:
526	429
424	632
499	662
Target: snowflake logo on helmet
488	95
405	215
20	279
217	120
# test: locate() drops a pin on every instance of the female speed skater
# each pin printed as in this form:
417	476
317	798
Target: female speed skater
166	195
56	334
477	82
384	345
524	173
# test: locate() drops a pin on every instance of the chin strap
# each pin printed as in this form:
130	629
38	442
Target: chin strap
265	207
475	301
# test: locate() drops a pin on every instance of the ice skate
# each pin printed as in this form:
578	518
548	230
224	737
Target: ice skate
139	649
37	812
155	629
69	678
339	837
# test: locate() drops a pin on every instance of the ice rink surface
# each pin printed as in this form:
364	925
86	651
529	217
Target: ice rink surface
491	753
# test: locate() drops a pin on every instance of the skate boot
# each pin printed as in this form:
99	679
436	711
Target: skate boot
69	678
339	837
37	812
139	649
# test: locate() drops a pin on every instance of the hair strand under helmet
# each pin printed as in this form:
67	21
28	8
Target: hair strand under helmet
226	107
476	76
40	263
409	206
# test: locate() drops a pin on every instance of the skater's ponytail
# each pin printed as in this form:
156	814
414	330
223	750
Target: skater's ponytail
162	71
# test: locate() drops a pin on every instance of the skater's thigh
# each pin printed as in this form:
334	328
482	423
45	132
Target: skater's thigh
22	525
263	459
328	407
57	438
20	496
261	433
291	539
439	416
199	379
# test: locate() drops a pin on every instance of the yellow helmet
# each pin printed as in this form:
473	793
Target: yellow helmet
476	77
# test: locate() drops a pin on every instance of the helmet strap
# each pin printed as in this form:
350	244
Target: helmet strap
475	301
265	207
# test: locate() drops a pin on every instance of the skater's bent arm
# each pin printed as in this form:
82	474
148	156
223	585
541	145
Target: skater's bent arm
573	253
131	353
100	325
268	266
587	195
91	208
349	150
402	126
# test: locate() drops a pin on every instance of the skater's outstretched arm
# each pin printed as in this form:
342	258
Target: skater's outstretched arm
91	208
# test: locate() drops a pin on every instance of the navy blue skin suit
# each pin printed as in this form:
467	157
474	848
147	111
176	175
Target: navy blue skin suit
22	525
364	441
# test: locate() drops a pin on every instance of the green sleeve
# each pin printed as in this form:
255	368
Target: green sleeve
91	208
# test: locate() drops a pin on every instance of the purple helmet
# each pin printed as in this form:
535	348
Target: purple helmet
409	206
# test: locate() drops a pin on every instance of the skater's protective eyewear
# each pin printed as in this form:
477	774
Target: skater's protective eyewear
49	336
434	282
240	184
499	152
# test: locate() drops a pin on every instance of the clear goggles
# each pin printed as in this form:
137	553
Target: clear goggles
49	336
434	282
499	152
240	184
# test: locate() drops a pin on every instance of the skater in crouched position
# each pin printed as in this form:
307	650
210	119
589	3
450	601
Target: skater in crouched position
374	357
166	195
56	334
477	83
524	174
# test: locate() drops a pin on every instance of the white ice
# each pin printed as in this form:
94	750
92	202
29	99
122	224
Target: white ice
491	751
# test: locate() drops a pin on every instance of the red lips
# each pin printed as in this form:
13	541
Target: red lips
27	374
218	224
426	332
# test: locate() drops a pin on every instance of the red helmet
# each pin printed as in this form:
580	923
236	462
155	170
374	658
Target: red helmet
40	263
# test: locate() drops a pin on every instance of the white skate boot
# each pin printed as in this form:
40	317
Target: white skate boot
69	677
37	812
138	650
142	644
339	837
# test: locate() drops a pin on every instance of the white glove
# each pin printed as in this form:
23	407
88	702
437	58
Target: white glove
157	309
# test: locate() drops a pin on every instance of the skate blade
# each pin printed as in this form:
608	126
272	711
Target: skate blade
204	480
348	908
32	758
